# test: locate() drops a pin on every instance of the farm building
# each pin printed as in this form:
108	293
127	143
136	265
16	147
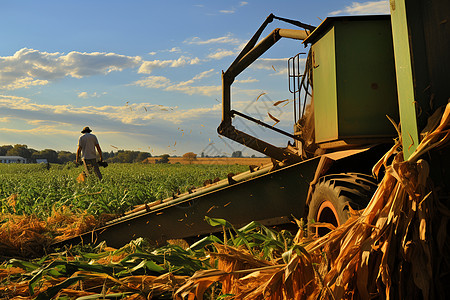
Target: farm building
12	159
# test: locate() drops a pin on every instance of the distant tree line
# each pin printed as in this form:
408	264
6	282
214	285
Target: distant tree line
163	160
62	157
125	156
234	154
120	156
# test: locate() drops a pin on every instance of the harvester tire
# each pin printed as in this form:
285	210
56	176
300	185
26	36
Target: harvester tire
332	196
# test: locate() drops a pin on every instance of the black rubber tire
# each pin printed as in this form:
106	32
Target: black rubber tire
332	196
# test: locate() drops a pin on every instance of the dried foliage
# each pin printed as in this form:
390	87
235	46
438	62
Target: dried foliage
29	236
23	234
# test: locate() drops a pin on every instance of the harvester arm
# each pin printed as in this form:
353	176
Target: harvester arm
252	42
256	144
249	54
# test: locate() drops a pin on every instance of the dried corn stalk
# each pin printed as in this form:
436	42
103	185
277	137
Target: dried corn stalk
396	248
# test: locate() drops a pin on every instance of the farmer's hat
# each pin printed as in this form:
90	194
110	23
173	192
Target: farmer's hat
86	129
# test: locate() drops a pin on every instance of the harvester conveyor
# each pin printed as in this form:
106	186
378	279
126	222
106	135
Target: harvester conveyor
268	196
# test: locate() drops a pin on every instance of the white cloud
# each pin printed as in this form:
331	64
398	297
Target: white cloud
41	130
180	62
195	90
10	83
233	9
194	61
370	7
186	87
15	102
228	39
220	53
83	95
86	95
155	82
175	49
273	65
204	74
128	113
248	80
42	122
193	114
148	66
228	11
52	119
29	67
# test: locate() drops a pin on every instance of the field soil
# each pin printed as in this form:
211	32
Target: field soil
258	161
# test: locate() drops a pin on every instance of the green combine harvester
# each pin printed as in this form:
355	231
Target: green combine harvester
359	71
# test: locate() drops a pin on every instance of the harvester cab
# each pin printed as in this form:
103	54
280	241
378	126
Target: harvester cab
349	69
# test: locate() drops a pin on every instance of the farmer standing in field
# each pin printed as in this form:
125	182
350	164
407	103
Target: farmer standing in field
87	143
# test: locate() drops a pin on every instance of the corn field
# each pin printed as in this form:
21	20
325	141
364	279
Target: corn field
35	190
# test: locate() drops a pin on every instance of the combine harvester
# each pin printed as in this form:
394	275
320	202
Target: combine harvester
359	70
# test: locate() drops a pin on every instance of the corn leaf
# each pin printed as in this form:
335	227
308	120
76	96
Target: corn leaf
273	118
52	291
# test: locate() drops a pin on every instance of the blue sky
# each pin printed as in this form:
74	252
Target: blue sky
144	75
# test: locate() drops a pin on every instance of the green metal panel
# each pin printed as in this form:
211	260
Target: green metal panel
422	48
365	79
354	80
326	119
405	85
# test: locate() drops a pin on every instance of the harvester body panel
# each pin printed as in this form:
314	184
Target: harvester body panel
354	80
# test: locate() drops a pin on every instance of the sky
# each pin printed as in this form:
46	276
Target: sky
146	75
